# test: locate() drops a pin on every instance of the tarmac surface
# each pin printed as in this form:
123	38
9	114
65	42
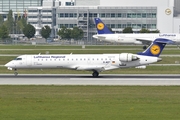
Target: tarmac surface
87	79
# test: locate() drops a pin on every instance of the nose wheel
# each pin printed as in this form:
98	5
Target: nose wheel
95	74
15	72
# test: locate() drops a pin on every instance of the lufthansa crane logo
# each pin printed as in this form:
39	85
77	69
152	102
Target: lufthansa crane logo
155	49
100	26
168	11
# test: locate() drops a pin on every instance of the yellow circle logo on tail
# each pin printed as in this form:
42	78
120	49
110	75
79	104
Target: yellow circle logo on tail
100	26
155	49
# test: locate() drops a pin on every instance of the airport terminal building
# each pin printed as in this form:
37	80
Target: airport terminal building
163	15
17	6
115	17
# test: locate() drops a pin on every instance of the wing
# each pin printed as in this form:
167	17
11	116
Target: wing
99	37
145	41
91	68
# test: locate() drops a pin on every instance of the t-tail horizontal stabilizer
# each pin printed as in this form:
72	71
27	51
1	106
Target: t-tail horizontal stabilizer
156	47
101	27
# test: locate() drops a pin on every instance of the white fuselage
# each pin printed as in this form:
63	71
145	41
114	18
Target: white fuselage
91	62
138	38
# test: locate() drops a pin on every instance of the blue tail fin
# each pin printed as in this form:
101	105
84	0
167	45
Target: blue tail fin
101	27
156	47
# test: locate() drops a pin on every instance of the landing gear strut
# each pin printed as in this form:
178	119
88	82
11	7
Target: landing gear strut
144	47
95	74
15	72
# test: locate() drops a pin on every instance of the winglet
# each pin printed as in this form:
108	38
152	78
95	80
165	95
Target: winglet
156	47
101	27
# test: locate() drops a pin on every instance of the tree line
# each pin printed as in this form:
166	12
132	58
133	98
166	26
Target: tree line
11	25
19	26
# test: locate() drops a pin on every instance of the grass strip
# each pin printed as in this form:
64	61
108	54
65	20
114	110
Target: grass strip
89	102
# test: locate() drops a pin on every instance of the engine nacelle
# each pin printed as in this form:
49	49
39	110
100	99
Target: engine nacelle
127	57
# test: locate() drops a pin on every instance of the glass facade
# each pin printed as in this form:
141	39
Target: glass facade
18	5
135	17
176	8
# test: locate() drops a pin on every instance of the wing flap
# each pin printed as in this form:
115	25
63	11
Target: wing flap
147	41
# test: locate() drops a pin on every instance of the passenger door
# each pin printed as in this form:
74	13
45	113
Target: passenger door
28	60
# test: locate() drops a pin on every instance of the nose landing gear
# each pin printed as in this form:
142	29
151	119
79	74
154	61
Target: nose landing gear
15	72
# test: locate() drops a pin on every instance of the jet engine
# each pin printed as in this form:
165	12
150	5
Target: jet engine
127	57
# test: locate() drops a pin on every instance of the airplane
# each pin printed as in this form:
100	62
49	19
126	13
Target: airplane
104	34
90	62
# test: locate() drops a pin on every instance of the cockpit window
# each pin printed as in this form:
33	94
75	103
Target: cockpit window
18	58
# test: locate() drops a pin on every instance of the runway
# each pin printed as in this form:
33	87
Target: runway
86	79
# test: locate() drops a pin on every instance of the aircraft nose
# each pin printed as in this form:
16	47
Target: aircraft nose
9	64
6	65
95	36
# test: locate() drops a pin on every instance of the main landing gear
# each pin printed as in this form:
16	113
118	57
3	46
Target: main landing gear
15	72
144	47
95	74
